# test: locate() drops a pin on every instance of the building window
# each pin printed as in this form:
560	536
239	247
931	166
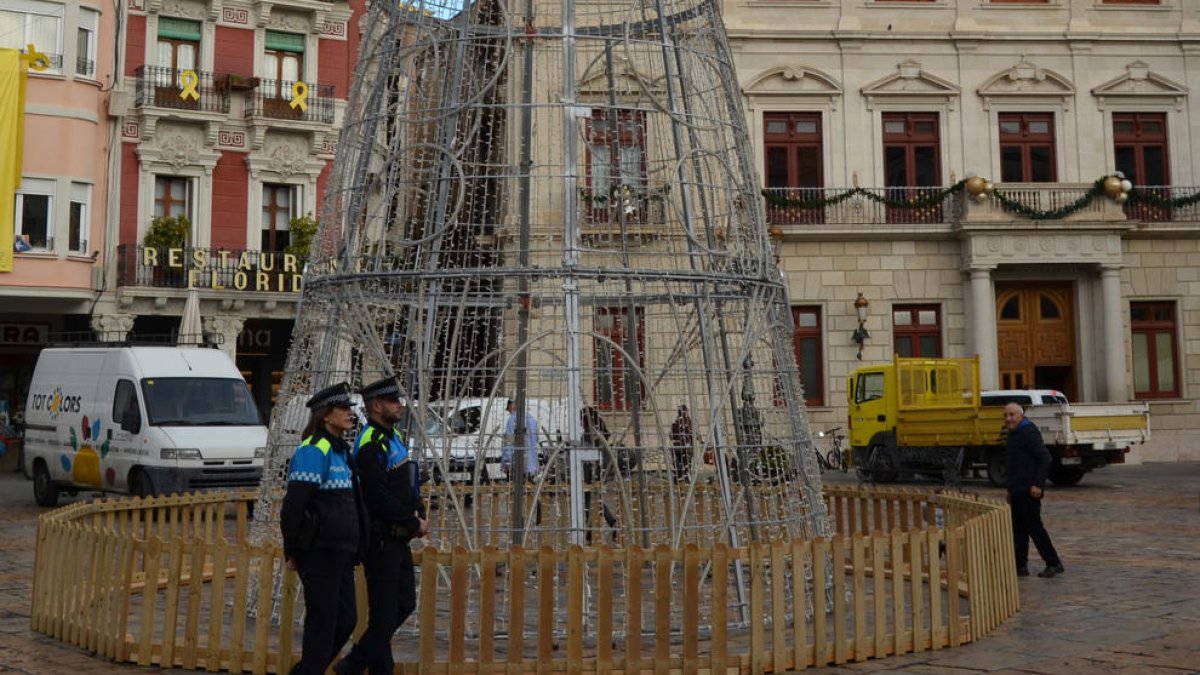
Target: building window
1140	147
615	380
792	144
1131	2
172	196
35	214
278	208
80	217
1027	148
1155	366
283	64
917	330
85	42
806	342
36	23
912	164
178	43
616	170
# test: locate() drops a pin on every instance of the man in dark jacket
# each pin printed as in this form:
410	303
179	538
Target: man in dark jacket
1028	462
390	484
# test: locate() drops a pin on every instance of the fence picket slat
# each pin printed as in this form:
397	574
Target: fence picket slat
216	617
152	554
191	630
458	607
241	590
779	646
691	610
879	610
604	610
663	592
801	550
916	571
287	618
838	553
576	573
429	593
720	591
487	607
633	609
899	629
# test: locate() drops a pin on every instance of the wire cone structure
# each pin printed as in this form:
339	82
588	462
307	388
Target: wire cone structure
553	203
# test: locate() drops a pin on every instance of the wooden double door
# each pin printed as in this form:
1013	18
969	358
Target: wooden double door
1035	326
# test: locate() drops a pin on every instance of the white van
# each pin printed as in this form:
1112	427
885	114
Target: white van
466	430
1024	397
140	420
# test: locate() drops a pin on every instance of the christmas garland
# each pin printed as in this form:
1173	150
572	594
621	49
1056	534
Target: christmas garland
927	199
628	194
1138	196
1061	212
924	200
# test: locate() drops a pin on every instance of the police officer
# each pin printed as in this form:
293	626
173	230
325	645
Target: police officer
322	524
391	491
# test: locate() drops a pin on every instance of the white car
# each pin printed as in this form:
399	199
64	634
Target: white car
1025	397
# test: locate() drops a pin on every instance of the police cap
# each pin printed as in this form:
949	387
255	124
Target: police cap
385	388
335	395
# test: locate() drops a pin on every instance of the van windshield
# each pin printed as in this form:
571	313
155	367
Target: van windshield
198	402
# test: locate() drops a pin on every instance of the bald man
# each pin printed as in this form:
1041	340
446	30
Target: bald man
1028	462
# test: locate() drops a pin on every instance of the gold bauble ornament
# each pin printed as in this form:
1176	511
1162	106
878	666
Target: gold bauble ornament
1121	198
975	185
1112	187
988	187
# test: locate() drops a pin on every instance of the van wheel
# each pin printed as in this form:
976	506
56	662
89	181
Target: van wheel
140	485
880	466
45	492
997	472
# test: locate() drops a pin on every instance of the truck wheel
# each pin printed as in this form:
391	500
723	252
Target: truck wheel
997	472
879	467
140	484
45	492
1064	476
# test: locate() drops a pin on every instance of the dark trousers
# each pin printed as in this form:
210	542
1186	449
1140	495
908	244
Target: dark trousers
392	589
683	463
329	612
1026	524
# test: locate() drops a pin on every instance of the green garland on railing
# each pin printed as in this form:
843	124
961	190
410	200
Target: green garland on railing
1061	212
1007	203
923	201
1137	196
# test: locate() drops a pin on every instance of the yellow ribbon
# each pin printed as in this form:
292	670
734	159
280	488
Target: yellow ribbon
37	60
299	96
189	80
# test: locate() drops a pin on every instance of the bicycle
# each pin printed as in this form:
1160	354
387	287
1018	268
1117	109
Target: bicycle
838	456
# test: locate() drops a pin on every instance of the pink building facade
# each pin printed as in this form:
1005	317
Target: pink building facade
61	207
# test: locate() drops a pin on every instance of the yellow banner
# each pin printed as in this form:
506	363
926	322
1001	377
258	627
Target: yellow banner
12	141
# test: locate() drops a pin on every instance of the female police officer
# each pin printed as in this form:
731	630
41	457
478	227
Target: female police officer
391	491
322	524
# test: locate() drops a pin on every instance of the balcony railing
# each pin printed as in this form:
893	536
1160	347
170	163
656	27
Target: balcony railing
85	67
836	206
277	99
165	87
1146	204
798	207
55	62
211	268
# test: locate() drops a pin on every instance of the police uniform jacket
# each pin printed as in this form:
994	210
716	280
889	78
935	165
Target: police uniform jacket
390	482
321	479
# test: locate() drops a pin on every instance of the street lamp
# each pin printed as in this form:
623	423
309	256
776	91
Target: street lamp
860	334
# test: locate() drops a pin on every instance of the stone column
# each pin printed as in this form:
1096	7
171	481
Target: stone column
1115	377
112	327
229	328
983	326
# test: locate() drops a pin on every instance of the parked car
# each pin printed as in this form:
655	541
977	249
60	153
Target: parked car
1025	397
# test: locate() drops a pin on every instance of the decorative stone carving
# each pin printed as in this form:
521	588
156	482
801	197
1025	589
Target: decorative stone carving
910	82
981	249
286	157
228	327
1026	82
289	21
235	15
184	9
333	28
112	327
231	138
178	150
1141	85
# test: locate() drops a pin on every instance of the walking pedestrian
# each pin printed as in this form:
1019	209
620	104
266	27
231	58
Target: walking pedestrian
390	482
1028	462
682	443
322	523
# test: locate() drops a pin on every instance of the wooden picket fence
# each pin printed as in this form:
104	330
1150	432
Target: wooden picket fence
172	581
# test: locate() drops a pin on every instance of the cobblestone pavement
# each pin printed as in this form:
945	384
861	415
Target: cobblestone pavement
1129	537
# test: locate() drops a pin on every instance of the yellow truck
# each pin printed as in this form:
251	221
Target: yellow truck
925	416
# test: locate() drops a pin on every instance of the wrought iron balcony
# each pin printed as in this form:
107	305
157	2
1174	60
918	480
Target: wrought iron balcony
85	67
843	206
797	208
284	100
209	268
165	87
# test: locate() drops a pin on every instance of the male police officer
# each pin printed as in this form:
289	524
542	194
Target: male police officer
390	488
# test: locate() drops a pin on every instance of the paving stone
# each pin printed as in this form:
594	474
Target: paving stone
1129	537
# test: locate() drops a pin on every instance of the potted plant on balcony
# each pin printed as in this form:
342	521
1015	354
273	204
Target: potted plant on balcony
301	230
166	233
242	82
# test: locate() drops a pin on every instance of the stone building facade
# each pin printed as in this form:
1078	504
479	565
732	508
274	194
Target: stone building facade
904	99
